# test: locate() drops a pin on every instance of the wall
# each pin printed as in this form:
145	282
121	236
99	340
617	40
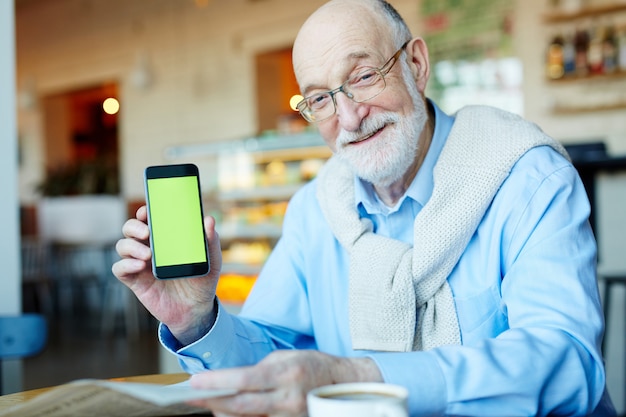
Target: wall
10	295
9	303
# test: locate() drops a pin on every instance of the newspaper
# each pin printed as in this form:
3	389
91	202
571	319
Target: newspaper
95	398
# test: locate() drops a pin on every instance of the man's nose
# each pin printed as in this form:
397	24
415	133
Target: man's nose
349	113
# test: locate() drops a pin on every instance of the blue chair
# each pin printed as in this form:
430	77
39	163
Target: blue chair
21	336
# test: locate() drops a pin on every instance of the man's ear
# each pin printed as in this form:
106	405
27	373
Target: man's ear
417	53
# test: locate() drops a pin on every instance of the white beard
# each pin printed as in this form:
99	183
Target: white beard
385	159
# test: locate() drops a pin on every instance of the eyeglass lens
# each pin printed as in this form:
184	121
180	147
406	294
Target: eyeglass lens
361	87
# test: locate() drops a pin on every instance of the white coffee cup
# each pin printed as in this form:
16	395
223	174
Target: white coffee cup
359	399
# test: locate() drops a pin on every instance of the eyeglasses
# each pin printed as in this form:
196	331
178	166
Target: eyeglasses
361	87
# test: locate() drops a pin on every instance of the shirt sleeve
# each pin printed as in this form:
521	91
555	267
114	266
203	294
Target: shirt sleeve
230	342
548	361
275	315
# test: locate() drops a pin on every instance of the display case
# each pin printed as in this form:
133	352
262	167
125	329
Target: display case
255	178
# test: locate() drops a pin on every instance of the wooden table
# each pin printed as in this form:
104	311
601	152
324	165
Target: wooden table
10	400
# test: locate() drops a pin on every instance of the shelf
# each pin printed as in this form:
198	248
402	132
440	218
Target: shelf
254	144
275	193
573	110
558	17
243	231
292	154
241	268
620	74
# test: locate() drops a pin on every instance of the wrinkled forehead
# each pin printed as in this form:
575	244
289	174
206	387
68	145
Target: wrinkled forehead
337	35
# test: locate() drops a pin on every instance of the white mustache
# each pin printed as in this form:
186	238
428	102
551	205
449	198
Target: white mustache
368	128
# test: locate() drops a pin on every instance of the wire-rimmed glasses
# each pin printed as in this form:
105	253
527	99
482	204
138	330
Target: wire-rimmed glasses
360	87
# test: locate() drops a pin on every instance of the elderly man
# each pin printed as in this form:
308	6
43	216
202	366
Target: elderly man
448	254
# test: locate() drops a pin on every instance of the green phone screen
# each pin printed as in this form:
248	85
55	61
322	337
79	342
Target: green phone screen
176	221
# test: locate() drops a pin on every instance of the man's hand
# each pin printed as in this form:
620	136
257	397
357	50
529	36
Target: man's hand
277	386
185	305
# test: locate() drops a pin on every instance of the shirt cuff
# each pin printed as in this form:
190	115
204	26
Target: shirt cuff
427	392
206	352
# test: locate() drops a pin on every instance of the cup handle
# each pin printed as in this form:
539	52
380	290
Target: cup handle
390	410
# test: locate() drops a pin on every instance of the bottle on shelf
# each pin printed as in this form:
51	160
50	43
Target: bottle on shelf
569	56
594	53
554	59
581	45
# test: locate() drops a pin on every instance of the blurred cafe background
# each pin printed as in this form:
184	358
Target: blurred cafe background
93	91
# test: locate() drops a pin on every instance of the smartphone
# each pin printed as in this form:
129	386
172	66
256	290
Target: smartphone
175	217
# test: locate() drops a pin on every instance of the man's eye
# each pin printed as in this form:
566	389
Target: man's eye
318	101
364	79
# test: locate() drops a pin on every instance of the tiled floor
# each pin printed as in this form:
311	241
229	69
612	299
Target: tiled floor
78	348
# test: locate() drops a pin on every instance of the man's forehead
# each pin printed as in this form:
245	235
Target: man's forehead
338	22
332	67
332	42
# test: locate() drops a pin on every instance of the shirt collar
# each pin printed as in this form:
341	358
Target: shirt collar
421	188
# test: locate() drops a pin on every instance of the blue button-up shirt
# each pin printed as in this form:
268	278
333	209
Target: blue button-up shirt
525	291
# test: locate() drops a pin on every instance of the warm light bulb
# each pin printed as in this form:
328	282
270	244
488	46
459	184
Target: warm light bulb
294	100
111	105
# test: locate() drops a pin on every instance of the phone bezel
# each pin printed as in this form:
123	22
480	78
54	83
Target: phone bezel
189	270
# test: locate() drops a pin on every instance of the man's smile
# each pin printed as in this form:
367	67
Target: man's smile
368	136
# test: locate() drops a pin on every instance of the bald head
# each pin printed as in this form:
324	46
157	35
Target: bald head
356	24
338	16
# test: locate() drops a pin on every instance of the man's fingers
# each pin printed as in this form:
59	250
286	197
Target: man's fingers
128	267
142	213
269	403
241	379
209	226
131	248
136	229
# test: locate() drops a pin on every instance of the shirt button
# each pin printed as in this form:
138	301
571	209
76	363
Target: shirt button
206	355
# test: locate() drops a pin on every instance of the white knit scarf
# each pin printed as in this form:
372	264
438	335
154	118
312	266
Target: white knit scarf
399	297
